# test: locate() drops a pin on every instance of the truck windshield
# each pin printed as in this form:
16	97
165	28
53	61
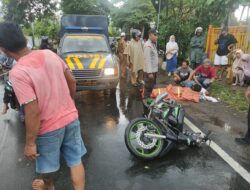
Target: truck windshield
87	44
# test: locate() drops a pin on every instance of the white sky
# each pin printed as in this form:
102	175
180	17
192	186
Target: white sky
238	12
118	4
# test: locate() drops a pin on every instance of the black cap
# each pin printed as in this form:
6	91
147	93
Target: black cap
153	31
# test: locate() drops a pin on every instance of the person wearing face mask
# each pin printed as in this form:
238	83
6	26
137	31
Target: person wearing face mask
197	46
151	63
171	55
135	57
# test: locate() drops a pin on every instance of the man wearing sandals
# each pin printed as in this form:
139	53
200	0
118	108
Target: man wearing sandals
46	89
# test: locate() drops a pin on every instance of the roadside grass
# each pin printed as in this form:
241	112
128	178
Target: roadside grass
233	97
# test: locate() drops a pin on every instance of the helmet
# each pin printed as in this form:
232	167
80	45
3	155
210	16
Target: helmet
8	87
198	29
123	34
196	88
136	33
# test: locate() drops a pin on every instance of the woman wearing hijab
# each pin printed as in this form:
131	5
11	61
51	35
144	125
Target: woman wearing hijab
246	68
171	54
245	61
237	68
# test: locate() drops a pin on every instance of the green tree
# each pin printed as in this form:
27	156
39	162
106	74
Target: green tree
134	14
23	12
45	27
86	7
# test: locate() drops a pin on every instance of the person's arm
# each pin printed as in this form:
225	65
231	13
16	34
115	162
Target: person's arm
147	58
32	125
167	49
202	43
233	41
25	93
230	47
213	75
193	42
176	49
247	94
212	80
196	80
192	75
71	83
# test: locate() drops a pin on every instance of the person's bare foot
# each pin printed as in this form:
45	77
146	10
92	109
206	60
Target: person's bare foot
38	184
5	109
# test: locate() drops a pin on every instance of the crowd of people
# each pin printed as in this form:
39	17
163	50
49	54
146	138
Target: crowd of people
141	58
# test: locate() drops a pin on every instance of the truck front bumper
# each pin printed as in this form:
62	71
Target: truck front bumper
99	84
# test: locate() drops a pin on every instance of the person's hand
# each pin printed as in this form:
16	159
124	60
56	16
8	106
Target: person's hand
230	48
151	76
30	151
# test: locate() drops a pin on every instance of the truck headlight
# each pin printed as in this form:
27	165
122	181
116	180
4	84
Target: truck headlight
109	71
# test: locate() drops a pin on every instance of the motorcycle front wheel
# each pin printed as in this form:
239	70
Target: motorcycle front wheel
142	147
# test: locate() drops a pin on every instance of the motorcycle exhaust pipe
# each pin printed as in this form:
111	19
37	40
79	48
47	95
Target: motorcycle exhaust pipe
168	137
155	136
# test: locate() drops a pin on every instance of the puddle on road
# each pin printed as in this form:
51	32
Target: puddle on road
226	126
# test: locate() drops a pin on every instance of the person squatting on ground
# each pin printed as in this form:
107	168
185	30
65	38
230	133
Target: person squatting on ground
246	139
245	62
197	44
120	50
151	63
206	74
171	55
225	43
237	68
40	79
182	73
135	57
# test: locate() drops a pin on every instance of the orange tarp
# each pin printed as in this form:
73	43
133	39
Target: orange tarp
178	93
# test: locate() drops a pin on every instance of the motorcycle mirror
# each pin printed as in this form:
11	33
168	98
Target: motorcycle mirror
160	97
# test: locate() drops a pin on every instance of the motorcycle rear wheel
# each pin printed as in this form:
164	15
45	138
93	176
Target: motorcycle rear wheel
140	146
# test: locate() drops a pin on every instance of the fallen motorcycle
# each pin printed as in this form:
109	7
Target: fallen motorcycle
161	128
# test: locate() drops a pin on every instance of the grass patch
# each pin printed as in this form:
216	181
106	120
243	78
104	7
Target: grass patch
233	97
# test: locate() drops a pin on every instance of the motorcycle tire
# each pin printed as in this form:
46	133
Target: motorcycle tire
146	148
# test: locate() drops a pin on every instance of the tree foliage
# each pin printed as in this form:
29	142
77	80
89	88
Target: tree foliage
45	27
26	11
86	7
134	14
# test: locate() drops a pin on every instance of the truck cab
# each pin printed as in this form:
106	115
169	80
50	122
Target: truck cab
85	49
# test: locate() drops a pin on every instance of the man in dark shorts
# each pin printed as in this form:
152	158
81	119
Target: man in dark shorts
225	43
40	79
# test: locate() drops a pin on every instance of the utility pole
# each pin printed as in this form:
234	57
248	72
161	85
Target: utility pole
159	12
33	34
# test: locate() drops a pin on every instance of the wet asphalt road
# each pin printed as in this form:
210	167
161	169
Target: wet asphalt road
109	165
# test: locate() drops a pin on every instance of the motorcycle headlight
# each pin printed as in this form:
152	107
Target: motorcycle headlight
109	71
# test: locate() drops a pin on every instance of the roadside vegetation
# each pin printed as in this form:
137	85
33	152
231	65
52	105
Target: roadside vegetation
233	96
